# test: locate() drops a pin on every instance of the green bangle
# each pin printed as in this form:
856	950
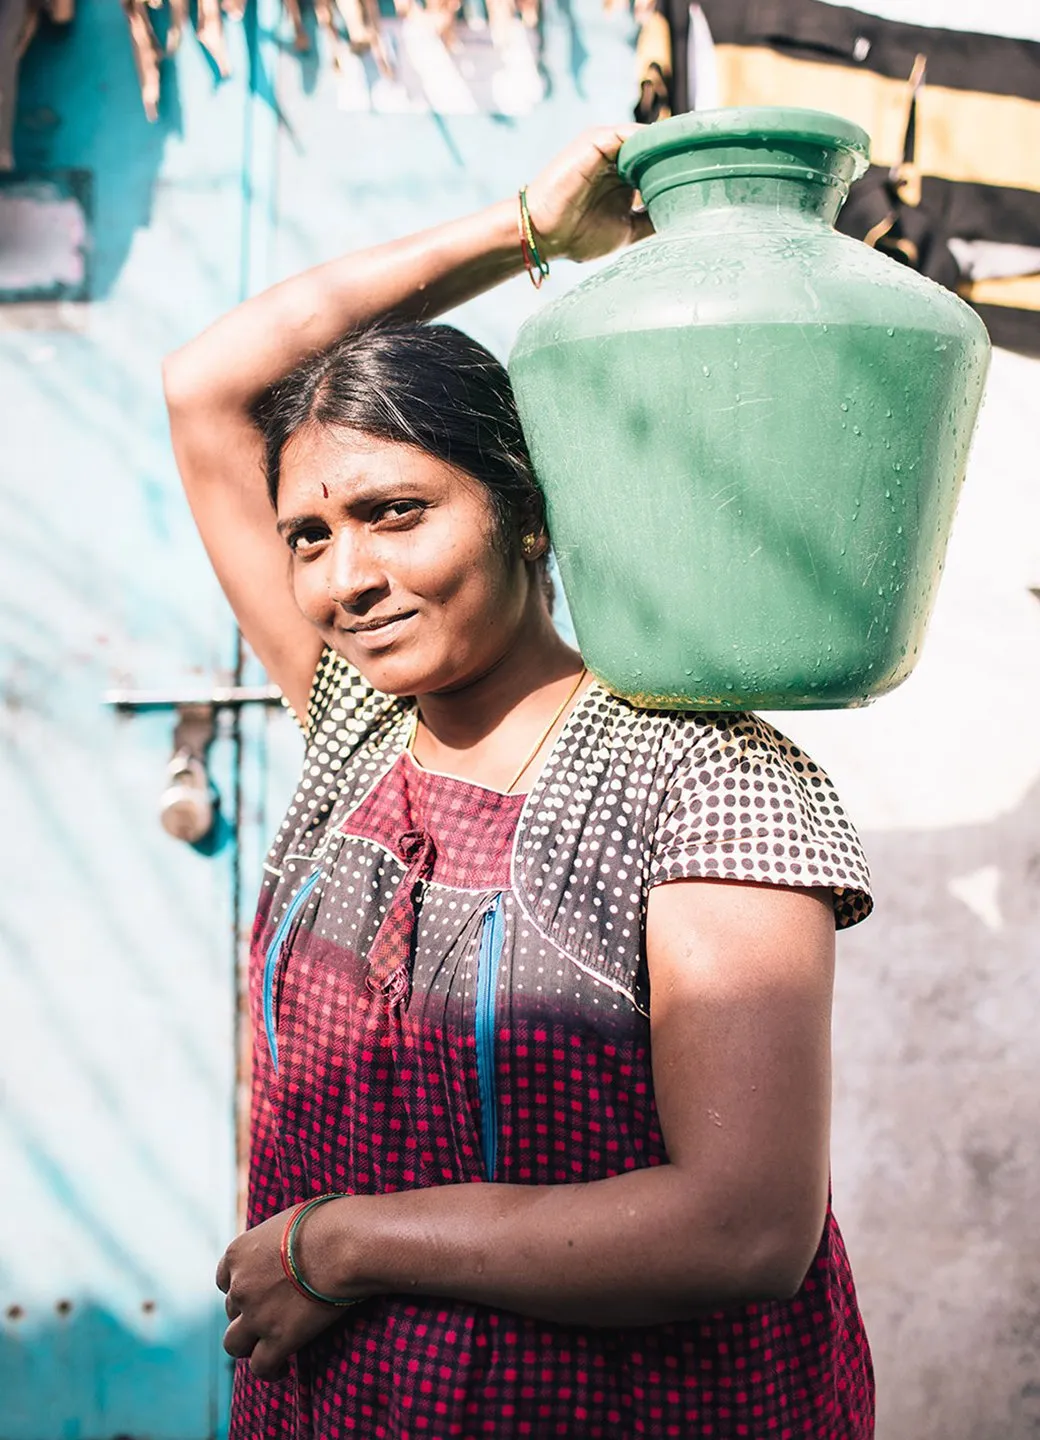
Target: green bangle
309	1290
527	238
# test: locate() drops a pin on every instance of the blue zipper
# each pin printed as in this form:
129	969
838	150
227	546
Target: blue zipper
296	904
492	936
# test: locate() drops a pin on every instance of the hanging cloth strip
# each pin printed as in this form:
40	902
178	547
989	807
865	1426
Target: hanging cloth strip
954	121
19	20
653	65
348	27
14	15
895	233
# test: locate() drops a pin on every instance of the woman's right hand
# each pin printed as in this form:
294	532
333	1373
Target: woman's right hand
579	206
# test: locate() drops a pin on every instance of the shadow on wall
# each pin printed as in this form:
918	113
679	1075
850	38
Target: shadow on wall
938	1108
79	107
85	1373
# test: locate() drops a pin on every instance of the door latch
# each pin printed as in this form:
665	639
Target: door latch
189	804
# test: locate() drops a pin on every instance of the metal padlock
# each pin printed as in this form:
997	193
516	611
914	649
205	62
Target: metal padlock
186	807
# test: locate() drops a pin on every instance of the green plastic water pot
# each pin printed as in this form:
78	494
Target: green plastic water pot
750	429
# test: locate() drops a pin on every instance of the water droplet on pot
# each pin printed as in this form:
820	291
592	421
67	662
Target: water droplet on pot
705	370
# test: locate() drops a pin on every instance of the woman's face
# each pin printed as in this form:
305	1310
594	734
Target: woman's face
394	560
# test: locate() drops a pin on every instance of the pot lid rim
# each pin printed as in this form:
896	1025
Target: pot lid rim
682	133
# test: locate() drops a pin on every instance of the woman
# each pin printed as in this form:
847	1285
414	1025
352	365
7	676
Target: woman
499	938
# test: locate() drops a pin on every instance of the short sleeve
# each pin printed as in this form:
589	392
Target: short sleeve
345	717
338	694
744	803
335	681
342	711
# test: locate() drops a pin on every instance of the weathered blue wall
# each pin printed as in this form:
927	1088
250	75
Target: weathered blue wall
115	954
116	943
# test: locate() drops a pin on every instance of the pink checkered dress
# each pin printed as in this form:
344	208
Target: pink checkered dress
449	986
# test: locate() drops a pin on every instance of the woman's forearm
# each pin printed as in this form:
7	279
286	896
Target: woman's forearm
638	1249
229	365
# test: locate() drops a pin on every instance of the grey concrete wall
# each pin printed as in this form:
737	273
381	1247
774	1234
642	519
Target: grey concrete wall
937	1021
937	1172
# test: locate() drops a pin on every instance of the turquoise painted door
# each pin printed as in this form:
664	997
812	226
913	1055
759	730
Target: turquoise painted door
116	943
119	946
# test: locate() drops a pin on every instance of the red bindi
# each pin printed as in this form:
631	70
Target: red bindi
324	489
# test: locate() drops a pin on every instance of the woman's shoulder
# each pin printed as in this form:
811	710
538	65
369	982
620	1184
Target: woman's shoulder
724	794
678	737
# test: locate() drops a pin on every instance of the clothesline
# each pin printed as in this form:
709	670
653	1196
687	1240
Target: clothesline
349	27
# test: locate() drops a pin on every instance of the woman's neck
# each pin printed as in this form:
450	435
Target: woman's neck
482	730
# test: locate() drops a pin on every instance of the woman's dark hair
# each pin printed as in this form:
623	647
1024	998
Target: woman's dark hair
425	385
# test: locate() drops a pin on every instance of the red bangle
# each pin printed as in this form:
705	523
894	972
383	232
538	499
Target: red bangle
289	1266
533	271
283	1249
537	268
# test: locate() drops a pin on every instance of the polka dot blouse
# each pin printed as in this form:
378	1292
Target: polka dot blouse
449	985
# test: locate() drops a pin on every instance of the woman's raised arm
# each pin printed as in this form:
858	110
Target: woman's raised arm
212	383
578	207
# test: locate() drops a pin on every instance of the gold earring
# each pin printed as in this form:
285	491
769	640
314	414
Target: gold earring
528	545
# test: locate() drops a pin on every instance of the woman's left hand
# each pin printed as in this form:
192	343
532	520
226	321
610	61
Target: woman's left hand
269	1319
579	205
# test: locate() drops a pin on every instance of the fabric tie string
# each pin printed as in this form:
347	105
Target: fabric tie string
389	960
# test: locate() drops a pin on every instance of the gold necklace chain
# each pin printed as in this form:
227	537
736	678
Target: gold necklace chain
410	746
